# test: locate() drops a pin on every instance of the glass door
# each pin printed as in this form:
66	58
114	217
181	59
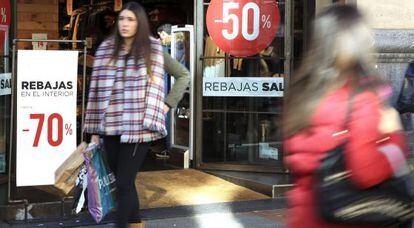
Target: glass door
182	49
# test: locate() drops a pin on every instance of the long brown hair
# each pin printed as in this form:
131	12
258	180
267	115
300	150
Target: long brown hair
141	46
340	34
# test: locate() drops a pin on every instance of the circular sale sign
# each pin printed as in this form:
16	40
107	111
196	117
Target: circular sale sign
242	27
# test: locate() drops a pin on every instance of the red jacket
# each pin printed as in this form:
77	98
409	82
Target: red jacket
362	156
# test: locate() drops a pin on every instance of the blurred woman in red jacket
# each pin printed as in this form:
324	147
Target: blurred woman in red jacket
338	64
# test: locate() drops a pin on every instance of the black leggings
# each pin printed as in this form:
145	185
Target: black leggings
125	159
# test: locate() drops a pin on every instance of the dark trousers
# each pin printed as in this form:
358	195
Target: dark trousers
125	159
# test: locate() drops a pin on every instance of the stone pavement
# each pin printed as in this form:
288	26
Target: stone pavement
262	219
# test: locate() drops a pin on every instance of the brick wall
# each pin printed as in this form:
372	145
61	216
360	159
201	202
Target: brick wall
37	16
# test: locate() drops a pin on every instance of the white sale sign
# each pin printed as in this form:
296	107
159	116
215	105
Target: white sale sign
243	86
46	114
5	84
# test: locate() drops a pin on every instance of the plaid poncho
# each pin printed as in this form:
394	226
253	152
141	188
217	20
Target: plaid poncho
143	119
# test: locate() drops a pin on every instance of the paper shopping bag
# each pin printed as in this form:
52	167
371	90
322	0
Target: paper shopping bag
66	174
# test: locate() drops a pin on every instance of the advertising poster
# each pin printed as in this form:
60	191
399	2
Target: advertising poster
46	114
243	87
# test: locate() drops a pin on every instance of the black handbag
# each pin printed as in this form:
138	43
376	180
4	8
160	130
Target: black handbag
340	201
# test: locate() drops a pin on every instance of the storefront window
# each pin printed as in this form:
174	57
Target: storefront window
244	130
247	130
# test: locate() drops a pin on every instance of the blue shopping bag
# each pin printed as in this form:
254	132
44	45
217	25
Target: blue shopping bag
101	183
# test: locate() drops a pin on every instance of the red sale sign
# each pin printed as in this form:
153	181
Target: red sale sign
5	20
242	27
5	12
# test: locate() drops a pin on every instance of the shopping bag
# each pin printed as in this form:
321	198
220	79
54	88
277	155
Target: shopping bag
66	174
80	197
101	183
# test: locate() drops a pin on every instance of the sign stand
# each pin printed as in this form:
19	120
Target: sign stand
25	202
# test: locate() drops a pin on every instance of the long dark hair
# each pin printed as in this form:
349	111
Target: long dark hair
141	46
339	32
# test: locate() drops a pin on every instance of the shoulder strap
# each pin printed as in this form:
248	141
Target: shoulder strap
348	111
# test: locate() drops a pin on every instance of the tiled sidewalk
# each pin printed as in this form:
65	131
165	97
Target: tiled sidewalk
262	219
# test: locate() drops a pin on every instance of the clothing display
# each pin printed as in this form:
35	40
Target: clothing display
214	66
237	64
94	21
76	27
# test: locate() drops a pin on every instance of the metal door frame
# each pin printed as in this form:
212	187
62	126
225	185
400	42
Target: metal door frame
190	30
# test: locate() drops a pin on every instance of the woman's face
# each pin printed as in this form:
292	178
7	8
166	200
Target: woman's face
127	24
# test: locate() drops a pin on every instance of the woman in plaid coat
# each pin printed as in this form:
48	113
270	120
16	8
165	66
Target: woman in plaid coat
125	105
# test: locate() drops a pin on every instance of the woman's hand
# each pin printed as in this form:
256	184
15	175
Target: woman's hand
95	139
166	109
390	121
